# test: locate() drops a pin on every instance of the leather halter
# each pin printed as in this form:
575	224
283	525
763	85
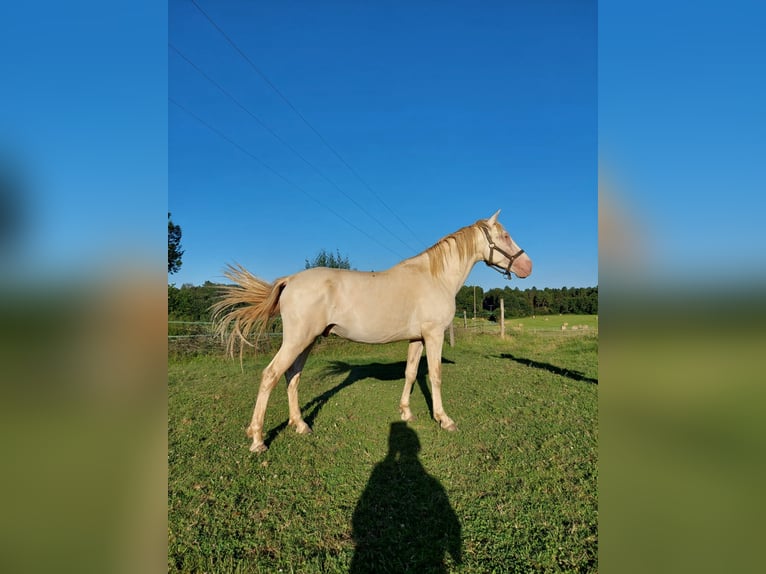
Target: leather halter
505	271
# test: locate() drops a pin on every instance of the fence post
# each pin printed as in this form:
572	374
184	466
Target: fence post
465	320
452	334
502	318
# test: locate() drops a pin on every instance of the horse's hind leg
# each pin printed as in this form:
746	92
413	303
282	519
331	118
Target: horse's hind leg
286	356
434	342
414	352
293	376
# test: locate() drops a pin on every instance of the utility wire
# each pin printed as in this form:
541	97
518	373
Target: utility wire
302	117
286	144
279	175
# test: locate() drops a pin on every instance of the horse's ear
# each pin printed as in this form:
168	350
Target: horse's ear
492	220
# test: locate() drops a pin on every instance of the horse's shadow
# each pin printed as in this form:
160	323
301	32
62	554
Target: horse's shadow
568	373
354	374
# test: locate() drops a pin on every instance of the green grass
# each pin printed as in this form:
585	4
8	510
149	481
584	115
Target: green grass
536	323
513	490
587	322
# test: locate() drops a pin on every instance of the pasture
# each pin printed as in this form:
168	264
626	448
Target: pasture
513	490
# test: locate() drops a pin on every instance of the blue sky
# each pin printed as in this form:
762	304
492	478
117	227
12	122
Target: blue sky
681	129
495	107
83	124
445	111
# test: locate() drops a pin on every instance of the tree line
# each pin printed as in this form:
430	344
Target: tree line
192	303
527	302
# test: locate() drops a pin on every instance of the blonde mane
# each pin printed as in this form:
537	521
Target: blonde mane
463	241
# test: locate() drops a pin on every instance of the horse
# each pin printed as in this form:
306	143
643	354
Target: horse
412	301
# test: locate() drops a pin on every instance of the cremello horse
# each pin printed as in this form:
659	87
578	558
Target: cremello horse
413	301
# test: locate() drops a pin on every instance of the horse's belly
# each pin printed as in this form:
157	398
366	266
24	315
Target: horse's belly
370	335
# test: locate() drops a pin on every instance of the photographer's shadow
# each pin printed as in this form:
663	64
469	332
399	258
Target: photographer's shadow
404	522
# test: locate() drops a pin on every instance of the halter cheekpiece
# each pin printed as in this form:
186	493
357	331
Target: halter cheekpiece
505	271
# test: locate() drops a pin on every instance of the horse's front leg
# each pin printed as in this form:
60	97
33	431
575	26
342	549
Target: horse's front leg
414	352
434	341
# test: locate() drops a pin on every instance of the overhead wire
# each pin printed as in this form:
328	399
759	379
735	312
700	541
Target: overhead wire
302	117
287	144
266	166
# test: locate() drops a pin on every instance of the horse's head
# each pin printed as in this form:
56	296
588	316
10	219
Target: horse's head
502	252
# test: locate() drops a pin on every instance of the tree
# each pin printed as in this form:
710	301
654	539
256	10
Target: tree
191	302
516	303
468	298
174	246
464	299
325	259
491	300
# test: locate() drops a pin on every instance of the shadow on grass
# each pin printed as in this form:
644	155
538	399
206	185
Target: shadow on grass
403	521
355	373
574	375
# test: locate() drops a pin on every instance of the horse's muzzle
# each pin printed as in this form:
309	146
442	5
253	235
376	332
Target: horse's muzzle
522	267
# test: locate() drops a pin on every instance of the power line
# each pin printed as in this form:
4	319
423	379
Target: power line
302	117
279	175
286	144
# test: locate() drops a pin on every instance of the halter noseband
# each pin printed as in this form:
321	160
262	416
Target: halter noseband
505	271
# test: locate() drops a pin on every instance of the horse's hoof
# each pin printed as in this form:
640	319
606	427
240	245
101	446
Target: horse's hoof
258	447
450	426
408	417
302	428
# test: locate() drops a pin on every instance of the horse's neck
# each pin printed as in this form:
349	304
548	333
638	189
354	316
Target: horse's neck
455	271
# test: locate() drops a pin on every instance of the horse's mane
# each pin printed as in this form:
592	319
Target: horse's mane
463	241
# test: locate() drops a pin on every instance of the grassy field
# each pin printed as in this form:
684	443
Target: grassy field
539	323
513	490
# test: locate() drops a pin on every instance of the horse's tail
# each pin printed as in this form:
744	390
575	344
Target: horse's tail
245	307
